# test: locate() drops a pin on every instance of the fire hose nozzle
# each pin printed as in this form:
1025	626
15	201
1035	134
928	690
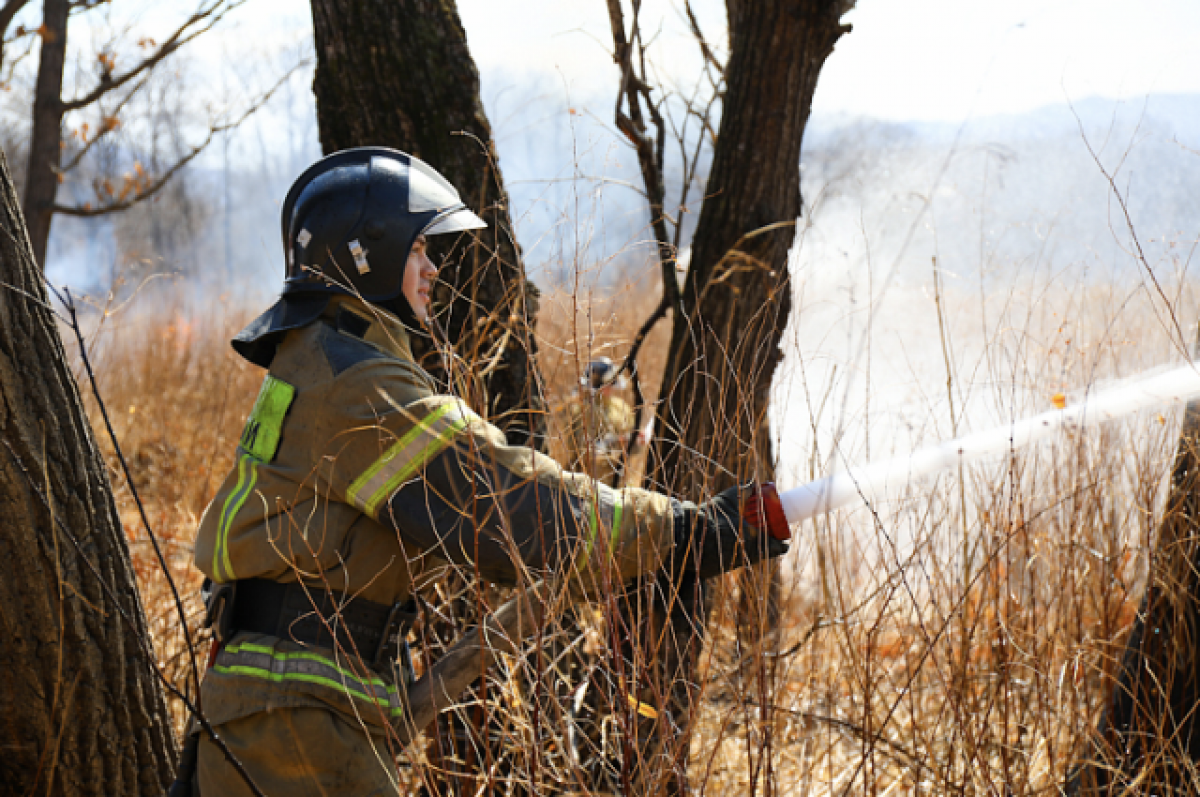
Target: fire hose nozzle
763	510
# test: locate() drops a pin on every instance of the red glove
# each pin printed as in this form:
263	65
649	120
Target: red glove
763	510
726	531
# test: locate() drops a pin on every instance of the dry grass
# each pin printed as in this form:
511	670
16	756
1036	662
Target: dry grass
951	641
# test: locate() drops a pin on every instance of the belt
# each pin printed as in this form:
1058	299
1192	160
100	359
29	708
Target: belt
311	616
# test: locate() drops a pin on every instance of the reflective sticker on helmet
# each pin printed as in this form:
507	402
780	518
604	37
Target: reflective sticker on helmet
303	238
360	257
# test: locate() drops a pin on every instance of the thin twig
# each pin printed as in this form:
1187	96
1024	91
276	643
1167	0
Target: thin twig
87	211
213	14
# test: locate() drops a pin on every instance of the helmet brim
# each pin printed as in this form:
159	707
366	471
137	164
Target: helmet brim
458	220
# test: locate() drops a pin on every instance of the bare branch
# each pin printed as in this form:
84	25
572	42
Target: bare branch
1179	341
630	120
9	11
210	16
705	50
105	129
691	162
86	211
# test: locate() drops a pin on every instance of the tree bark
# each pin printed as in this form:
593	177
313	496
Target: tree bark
713	426
45	146
81	711
398	73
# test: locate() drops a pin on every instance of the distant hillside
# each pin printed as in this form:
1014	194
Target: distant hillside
1005	189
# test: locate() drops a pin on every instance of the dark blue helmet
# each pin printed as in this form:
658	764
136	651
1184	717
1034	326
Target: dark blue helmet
350	220
348	225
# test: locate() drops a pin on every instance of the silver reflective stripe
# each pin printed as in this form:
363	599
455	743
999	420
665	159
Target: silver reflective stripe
269	664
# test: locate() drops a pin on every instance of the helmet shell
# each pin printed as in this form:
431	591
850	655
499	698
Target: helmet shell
350	220
601	372
348	224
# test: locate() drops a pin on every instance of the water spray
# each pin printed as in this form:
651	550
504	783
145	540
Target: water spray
856	484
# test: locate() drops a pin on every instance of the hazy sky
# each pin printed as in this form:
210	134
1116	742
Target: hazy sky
905	59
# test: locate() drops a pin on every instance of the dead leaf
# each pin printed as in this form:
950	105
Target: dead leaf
647	711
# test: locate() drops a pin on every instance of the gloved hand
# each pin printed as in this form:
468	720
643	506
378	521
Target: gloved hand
740	526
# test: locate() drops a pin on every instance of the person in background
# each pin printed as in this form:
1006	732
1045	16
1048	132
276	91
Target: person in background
599	424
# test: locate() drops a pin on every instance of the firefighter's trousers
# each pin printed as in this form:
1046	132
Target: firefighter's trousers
296	752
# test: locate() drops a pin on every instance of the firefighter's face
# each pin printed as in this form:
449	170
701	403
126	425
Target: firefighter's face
419	275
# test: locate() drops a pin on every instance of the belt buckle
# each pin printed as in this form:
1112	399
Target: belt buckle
399	620
218	608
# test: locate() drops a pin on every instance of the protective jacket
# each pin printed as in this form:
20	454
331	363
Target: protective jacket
354	474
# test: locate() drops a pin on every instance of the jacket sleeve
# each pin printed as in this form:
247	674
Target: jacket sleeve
448	482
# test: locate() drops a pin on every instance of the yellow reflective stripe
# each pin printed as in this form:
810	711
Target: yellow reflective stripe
406	440
618	505
280	677
411	452
233	504
217	550
301	655
593	524
338	678
609	499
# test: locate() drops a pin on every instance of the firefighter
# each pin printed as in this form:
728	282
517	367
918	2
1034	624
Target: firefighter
354	473
599	424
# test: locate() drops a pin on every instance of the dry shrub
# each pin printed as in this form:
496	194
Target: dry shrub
575	327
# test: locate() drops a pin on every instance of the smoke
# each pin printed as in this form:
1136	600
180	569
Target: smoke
956	277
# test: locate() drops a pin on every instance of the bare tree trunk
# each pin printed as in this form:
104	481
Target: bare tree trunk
714	430
398	73
81	711
737	296
45	148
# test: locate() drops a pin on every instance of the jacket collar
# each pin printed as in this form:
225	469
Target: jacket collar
382	329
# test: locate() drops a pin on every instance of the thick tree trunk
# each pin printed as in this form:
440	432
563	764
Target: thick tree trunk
714	430
398	73
81	711
45	146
